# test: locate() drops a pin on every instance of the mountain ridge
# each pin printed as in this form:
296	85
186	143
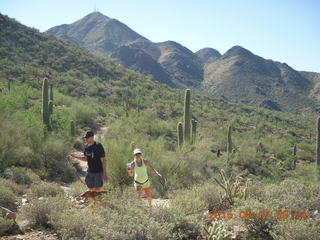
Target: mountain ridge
257	80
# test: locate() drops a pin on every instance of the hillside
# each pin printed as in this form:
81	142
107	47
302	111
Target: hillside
238	75
273	153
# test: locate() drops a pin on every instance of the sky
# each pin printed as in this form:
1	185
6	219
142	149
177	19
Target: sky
283	30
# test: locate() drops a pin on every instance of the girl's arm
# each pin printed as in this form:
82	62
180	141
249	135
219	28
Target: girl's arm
148	164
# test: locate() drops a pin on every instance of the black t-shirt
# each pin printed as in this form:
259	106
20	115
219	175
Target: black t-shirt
94	153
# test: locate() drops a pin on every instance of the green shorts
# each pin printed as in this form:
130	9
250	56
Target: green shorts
146	184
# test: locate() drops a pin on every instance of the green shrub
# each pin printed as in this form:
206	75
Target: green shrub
79	224
188	202
7	198
5	225
39	212
54	152
296	229
17	189
210	194
21	175
46	190
20	141
84	114
257	226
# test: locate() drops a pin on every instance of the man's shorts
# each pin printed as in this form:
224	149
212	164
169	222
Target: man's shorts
94	180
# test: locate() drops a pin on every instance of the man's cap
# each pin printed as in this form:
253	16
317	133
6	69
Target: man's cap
137	151
88	134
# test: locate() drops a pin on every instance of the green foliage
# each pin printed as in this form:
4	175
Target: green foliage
21	175
46	190
5	225
234	187
7	198
13	186
83	114
39	212
53	153
295	229
216	231
258	227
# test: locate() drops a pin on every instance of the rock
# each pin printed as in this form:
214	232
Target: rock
24	201
24	224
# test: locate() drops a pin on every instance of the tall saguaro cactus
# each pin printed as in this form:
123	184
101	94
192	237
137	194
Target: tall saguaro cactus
318	150
186	117
229	142
180	134
51	101
72	128
294	157
45	103
193	130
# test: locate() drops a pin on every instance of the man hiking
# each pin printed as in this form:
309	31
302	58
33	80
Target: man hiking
141	180
94	154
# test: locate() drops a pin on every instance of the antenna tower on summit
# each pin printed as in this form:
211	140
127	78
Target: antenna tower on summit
95	8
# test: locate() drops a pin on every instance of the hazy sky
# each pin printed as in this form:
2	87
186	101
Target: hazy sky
282	30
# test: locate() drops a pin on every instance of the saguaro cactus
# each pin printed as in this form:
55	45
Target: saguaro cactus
72	128
229	142
294	163
318	150
45	103
186	117
180	134
50	106
51	100
193	130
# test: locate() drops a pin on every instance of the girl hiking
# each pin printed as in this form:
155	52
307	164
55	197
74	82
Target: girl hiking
141	180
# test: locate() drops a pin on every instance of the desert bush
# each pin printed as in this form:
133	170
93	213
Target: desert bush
5	225
21	175
210	194
258	227
84	114
7	198
76	188
46	190
17	189
19	141
117	157
181	200
39	212
296	229
79	224
293	194
53	153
